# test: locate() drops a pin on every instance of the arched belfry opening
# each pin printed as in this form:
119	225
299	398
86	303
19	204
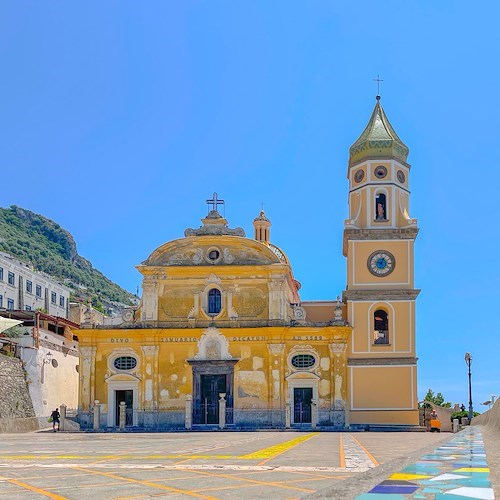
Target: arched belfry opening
380	327
380	207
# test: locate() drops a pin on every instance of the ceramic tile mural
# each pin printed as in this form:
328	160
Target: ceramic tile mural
456	470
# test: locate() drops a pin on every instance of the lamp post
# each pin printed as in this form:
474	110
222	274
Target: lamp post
45	361
468	361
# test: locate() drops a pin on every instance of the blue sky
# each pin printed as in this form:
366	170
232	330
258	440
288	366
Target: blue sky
119	119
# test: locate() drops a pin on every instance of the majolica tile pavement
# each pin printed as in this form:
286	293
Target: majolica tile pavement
458	469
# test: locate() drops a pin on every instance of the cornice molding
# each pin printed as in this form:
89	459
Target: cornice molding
381	361
352	234
380	295
406	233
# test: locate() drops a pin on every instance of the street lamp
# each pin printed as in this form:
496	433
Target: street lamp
48	358
468	361
45	361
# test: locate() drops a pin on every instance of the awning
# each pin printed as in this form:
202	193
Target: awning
6	323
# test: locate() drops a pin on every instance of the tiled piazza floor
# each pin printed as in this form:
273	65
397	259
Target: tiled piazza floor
458	469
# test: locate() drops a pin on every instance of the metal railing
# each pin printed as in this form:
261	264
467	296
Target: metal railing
257	418
302	413
208	415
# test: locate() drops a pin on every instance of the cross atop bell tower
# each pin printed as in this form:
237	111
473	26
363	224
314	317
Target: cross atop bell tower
378	80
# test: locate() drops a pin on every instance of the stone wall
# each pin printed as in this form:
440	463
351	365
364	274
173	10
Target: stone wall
490	418
15	401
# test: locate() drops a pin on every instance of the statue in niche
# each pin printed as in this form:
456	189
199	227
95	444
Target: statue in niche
380	212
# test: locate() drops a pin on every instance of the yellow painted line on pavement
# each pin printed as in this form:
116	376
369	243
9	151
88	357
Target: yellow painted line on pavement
183	461
49	456
253	481
36	490
341	452
112	457
312	474
147	483
221	488
370	456
265	453
102	460
278	449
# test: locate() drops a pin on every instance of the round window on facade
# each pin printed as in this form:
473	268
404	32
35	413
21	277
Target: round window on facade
359	175
54	362
125	363
213	254
303	361
380	172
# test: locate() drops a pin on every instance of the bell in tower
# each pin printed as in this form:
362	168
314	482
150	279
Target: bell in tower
378	175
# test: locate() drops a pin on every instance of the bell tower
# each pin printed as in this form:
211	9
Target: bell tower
379	238
262	228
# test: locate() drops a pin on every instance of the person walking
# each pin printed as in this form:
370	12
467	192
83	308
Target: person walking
56	419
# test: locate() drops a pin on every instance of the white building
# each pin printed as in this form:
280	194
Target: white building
48	349
22	288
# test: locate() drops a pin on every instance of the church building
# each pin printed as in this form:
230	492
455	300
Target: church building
222	339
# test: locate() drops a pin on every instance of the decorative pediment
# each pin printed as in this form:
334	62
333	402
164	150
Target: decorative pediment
213	346
233	250
213	279
302	376
122	377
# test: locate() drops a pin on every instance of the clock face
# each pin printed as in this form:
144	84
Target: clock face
381	263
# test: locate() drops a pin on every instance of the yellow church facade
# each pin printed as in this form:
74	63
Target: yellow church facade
221	337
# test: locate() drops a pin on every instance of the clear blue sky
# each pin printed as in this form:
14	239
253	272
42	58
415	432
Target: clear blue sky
120	118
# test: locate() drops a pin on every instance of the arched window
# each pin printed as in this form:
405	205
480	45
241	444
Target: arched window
214	301
380	207
381	327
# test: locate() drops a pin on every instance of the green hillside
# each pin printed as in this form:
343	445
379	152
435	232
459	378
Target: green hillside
49	248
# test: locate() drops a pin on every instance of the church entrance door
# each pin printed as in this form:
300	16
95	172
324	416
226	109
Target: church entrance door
128	397
211	378
302	403
211	387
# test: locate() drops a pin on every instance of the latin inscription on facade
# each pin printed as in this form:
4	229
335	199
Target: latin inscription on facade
233	339
179	339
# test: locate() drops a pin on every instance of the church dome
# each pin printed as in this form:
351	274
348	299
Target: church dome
378	140
262	216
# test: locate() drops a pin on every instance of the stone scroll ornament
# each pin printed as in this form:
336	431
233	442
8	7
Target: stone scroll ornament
213	346
216	230
128	315
299	313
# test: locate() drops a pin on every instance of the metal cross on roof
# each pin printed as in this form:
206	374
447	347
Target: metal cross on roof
214	202
378	80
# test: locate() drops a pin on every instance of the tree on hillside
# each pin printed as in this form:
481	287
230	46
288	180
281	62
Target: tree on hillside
437	399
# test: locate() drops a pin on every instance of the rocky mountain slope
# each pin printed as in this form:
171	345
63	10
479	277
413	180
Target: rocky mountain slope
51	249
